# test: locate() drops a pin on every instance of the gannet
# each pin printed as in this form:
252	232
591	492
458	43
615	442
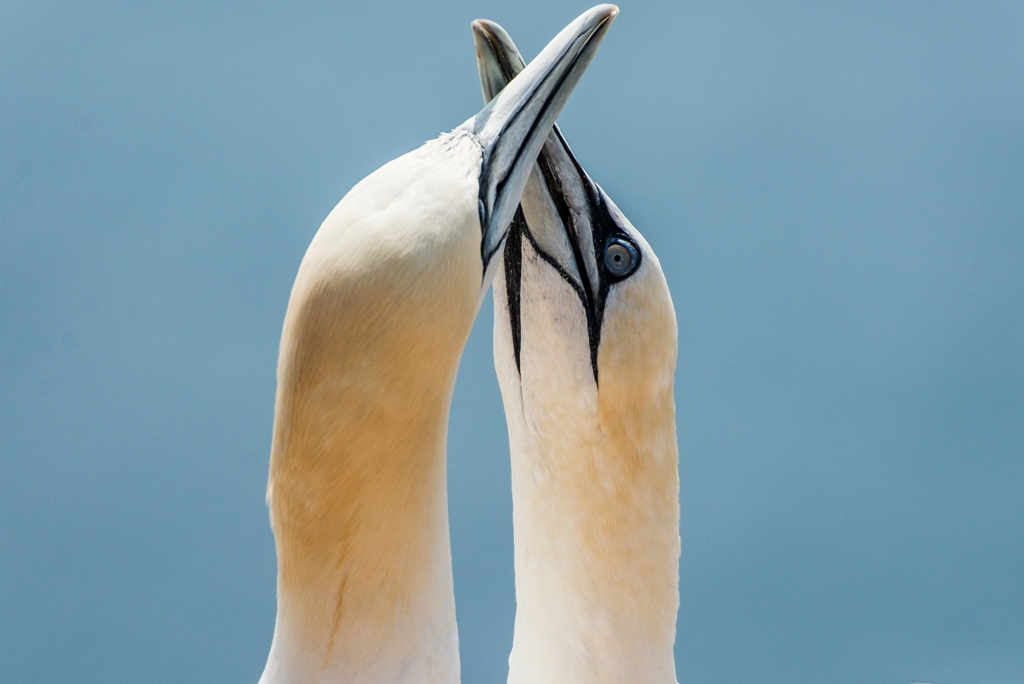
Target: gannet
585	351
377	319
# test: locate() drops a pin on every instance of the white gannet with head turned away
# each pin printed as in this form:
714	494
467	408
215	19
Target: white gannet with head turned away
585	350
378	316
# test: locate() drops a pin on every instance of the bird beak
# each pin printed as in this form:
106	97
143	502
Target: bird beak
567	217
497	57
513	126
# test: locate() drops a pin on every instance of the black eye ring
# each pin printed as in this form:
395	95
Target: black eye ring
620	257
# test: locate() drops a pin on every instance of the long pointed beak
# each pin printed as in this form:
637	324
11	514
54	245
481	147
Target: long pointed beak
513	126
567	217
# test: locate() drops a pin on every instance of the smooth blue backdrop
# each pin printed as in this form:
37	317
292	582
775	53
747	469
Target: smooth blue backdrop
836	192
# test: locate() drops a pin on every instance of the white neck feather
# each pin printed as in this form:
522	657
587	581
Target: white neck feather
595	492
379	314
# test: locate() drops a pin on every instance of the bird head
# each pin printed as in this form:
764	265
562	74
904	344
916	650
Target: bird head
581	296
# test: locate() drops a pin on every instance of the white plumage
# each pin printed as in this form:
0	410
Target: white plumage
585	351
377	319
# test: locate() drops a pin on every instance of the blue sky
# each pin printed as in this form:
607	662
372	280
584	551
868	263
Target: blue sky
835	192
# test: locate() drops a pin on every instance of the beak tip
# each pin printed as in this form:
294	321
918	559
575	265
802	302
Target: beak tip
606	12
483	28
602	14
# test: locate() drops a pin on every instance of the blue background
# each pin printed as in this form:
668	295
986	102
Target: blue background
836	194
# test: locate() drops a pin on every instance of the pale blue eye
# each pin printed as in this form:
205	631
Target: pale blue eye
620	257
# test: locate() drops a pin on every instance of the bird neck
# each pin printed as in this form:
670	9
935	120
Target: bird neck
596	517
359	509
358	496
379	314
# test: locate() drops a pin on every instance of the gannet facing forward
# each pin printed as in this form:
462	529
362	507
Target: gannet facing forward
378	316
585	350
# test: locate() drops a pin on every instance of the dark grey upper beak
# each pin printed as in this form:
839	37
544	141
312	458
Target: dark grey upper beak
513	126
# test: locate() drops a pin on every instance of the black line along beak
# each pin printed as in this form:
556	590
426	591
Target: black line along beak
566	217
513	126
